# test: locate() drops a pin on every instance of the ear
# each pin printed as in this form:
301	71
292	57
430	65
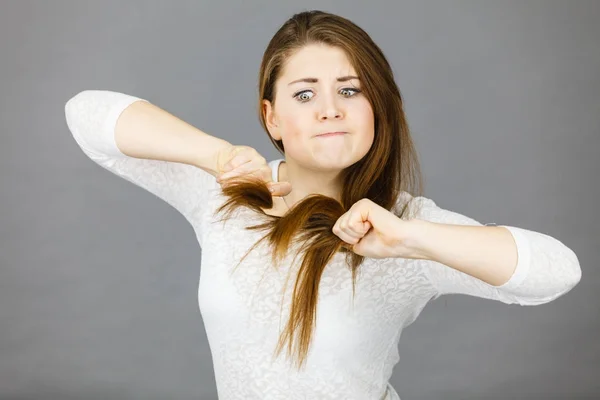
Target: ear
271	119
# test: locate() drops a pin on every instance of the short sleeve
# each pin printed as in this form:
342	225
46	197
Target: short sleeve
91	116
546	269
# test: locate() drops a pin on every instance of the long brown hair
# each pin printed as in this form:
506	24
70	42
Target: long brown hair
390	167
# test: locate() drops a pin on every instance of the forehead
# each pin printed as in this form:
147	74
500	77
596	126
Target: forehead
317	61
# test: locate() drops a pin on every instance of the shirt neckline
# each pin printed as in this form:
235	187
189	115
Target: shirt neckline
275	169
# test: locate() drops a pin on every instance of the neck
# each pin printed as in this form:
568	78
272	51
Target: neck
306	182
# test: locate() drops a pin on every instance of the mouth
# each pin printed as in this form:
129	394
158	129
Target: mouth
330	134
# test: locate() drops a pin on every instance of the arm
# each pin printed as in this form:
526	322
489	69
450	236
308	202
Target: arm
147	146
144	130
504	263
488	253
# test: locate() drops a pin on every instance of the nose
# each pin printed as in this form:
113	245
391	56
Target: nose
330	110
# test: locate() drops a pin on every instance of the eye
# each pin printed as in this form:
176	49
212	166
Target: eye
305	95
302	96
356	91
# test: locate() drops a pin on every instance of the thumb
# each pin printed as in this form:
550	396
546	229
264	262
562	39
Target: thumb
280	188
366	226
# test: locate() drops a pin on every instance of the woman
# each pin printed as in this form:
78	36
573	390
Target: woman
349	183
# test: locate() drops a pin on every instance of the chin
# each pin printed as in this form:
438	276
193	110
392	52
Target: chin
334	165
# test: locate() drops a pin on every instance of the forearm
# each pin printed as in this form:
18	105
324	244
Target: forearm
488	253
144	130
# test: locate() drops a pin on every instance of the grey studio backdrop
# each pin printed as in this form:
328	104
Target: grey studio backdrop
98	278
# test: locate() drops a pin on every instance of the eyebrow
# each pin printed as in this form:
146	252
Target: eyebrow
315	80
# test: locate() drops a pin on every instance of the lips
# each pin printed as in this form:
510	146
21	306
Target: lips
329	134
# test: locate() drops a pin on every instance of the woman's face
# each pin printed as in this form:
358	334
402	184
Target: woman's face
319	92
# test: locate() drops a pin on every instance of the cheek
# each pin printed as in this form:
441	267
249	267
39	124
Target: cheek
294	127
296	134
365	119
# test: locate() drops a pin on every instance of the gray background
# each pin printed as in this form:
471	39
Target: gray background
98	278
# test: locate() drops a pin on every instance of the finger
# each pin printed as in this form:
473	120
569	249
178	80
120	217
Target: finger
351	240
361	227
280	188
235	162
248	168
227	175
240	170
352	233
356	229
345	234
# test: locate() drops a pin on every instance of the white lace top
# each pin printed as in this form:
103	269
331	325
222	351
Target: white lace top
355	346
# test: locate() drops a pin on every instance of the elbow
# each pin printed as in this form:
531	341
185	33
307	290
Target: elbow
574	269
74	99
72	106
550	269
74	102
563	281
83	120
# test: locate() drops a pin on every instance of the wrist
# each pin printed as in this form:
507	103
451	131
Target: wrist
219	157
415	243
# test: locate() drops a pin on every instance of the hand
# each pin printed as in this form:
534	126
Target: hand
372	231
235	161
